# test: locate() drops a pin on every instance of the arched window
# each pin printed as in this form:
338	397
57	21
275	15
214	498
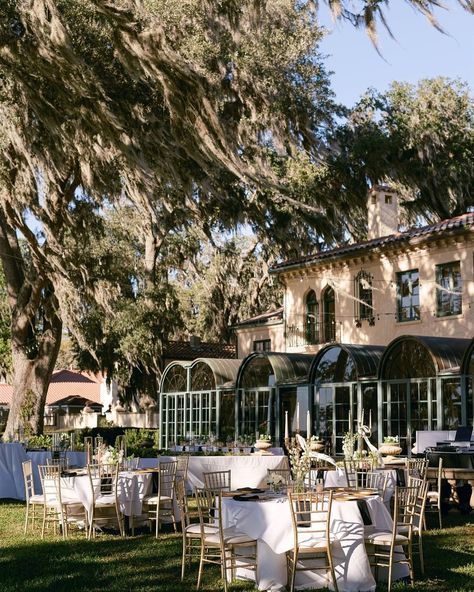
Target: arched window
363	292
329	315
311	321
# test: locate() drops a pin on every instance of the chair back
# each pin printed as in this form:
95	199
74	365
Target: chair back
372	480
50	476
27	467
103	479
416	467
310	514
208	503
182	467
61	461
404	508
352	466
167	478
420	503
285	474
217	480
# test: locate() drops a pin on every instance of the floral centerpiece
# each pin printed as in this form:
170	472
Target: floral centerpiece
275	482
263	442
348	443
108	455
391	446
300	463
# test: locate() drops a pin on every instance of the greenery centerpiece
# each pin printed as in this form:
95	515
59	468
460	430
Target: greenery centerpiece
316	444
391	446
264	441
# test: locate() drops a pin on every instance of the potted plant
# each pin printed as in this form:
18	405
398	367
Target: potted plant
263	442
390	446
316	444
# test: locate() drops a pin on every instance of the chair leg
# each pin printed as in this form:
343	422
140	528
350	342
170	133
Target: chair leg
439	515
390	569
410	564
44	522
183	558
420	547
201	565
26	517
294	562
333	573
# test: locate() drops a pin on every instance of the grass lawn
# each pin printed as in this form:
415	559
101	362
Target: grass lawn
143	564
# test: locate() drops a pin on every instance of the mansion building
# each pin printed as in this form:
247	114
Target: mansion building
379	330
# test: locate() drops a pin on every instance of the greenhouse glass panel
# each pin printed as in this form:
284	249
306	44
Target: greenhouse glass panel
451	403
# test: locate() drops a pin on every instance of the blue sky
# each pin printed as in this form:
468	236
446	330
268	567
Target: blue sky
419	50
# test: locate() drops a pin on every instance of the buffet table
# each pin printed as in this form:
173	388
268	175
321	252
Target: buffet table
11	473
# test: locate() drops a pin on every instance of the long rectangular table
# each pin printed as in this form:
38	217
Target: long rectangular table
246	470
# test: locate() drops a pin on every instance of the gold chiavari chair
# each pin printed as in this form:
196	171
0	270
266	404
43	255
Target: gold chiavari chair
161	505
56	510
218	480
219	546
105	507
312	540
32	499
59	461
191	530
418	517
433	497
381	545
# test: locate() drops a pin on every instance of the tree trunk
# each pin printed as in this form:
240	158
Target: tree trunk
31	379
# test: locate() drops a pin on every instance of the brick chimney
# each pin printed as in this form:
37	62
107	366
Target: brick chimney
382	211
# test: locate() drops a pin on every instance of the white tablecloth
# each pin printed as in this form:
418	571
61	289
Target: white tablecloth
246	470
132	488
337	478
11	472
41	457
270	523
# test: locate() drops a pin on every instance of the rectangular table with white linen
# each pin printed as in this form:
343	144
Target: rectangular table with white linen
246	470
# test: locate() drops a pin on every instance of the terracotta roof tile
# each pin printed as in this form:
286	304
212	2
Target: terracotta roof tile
457	224
183	350
64	383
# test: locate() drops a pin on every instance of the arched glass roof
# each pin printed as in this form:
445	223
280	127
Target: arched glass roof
417	356
340	362
263	369
212	373
205	374
174	379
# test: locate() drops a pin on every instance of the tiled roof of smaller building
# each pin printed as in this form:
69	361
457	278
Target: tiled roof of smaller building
449	226
64	383
271	315
183	350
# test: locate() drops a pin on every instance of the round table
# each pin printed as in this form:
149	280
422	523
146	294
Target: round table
270	523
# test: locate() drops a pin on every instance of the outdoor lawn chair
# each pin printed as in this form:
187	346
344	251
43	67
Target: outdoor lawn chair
32	499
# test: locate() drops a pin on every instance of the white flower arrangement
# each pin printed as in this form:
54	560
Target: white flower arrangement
391	440
264	438
348	443
108	455
300	464
275	479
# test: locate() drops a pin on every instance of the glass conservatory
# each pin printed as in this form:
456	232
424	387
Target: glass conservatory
421	387
197	400
270	387
344	379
